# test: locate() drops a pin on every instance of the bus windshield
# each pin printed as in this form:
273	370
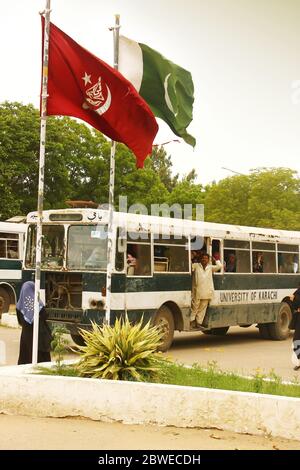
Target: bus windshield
52	246
87	247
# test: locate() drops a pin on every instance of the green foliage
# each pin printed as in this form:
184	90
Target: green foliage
210	376
268	197
59	345
258	381
161	163
123	351
66	370
186	192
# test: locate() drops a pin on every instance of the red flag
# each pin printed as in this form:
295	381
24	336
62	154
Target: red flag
83	86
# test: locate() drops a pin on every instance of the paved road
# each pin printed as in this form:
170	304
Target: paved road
23	432
241	350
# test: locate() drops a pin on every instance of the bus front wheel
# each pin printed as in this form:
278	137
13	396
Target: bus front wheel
279	330
164	320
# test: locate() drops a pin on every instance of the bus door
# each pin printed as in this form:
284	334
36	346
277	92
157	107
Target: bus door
139	273
216	250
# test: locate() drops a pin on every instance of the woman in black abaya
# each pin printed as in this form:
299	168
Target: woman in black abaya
25	313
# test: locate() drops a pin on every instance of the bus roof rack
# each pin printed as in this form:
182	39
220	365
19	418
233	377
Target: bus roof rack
19	219
82	204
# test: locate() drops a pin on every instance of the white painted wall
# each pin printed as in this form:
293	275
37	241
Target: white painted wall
140	403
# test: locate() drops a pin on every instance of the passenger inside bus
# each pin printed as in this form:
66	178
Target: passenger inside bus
195	256
258	262
287	263
138	259
230	263
131	264
12	253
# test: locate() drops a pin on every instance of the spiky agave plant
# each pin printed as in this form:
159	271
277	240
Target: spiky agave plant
123	351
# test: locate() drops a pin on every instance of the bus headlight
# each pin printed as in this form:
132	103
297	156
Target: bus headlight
97	304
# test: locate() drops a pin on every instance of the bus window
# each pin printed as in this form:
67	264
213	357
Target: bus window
138	259
237	256
288	259
230	261
263	257
13	249
288	263
264	262
173	258
9	245
52	246
87	247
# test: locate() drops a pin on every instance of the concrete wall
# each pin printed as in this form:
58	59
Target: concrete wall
140	403
10	320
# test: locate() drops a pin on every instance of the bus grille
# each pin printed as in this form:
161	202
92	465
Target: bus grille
63	290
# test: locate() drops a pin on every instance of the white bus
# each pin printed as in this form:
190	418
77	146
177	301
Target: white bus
260	269
12	237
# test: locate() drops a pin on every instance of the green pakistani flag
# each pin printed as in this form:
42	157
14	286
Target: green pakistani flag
167	88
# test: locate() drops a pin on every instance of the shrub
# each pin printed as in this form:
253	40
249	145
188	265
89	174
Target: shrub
123	351
59	345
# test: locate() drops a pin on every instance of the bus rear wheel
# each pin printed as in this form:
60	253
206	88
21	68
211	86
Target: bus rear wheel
5	301
164	319
279	330
217	331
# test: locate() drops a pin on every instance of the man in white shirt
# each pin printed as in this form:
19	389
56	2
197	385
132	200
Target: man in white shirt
203	288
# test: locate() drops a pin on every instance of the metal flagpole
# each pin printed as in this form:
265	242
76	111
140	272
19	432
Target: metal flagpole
40	203
115	30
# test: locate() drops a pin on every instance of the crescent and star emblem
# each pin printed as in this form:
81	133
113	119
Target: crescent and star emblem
95	99
167	97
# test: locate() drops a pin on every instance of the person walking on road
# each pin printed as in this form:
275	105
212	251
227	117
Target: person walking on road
203	288
25	313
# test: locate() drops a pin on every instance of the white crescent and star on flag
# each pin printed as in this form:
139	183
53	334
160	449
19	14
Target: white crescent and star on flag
167	97
94	95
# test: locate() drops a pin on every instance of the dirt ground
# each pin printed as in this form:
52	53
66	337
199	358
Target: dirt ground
21	432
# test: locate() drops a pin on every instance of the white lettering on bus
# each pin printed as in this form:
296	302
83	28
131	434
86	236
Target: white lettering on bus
245	296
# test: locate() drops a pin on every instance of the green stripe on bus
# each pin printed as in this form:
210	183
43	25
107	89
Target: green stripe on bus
93	282
10	264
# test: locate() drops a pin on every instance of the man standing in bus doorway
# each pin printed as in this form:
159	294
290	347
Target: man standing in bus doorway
203	288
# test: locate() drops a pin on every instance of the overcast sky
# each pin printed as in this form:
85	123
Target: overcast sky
244	56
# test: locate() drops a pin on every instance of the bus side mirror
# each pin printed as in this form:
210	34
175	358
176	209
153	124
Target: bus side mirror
121	245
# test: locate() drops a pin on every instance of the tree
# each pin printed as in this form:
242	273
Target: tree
268	197
76	164
275	198
227	201
162	164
